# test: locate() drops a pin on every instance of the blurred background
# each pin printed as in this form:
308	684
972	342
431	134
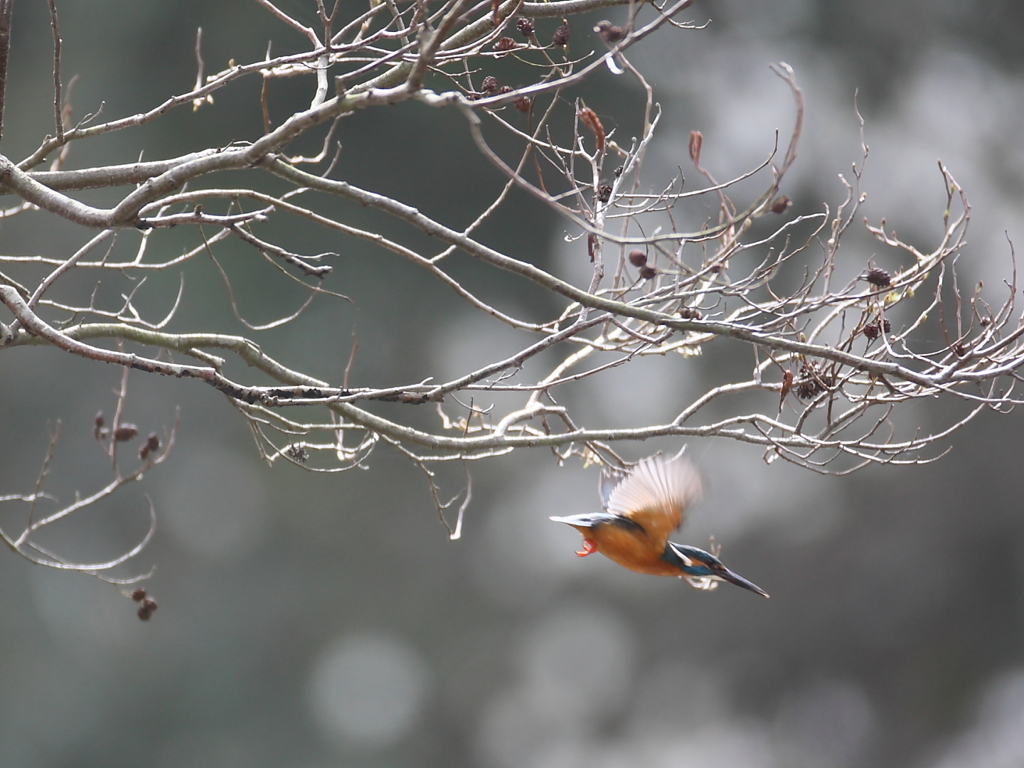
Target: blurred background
321	620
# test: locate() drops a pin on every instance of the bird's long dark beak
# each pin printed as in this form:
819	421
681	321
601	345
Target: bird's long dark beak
697	563
734	578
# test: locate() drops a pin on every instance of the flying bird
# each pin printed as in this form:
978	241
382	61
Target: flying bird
642	508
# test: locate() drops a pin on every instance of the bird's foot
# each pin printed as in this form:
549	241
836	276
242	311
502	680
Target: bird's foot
589	548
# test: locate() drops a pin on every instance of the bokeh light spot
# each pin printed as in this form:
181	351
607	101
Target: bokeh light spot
215	506
367	691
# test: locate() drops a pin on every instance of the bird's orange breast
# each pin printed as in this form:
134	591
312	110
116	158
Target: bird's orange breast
631	549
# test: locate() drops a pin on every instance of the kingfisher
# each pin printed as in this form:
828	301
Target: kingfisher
642	507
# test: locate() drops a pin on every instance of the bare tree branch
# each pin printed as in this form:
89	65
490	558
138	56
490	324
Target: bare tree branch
834	363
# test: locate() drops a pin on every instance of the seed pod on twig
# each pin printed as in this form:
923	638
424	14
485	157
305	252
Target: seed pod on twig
151	445
146	608
590	119
525	26
125	432
609	32
638	258
561	36
878	277
696	142
787	383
